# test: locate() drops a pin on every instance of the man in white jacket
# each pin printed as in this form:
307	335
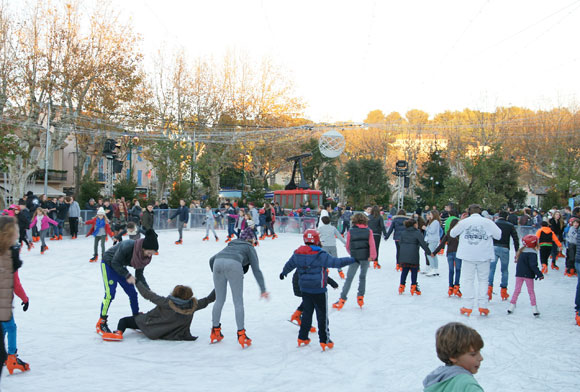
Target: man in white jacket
476	251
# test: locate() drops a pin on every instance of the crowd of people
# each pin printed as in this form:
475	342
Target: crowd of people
476	240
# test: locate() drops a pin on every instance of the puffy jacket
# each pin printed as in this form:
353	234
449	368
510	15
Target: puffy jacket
6	285
398	226
527	266
546	237
312	263
411	240
476	235
93	223
377	225
61	210
360	243
171	318
182	213
507	230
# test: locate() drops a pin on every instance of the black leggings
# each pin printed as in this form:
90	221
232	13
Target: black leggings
127	322
23	237
406	270
545	252
377	239
397	246
73	226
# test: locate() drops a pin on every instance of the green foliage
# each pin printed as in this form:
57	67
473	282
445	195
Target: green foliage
553	198
435	172
314	166
90	188
179	191
366	182
566	170
125	188
277	187
256	195
329	177
491	181
9	148
409	204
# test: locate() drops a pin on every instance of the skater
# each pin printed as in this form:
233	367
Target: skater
270	220
346	215
182	215
475	250
230	214
452	260
99	229
130	230
526	271
23	224
328	235
432	237
229	266
557	225
148	218
61	213
571	239
377	226
409	242
397	227
136	254
501	249
547	239
458	346
209	222
577	266
42	222
312	263
360	244
119	222
169	320
74	212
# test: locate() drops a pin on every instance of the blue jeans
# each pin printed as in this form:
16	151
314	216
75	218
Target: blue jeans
577	264
503	254
110	281
231	227
454	268
9	328
59	230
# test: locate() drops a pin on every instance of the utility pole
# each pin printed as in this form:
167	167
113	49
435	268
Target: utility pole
46	150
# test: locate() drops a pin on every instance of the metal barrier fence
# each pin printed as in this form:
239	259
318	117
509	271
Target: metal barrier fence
283	224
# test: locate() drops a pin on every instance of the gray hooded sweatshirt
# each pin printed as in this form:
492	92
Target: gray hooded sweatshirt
446	373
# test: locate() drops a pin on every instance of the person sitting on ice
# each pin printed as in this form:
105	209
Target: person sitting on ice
230	265
136	254
312	264
169	320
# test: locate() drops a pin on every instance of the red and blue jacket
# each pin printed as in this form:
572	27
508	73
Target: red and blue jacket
312	262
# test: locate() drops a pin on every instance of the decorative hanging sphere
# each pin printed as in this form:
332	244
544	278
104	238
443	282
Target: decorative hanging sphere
331	144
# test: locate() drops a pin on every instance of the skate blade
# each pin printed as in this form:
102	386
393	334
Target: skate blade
111	339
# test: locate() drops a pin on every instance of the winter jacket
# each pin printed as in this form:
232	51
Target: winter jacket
360	243
6	285
452	244
571	236
231	211
537	221
171	318
135	214
296	283
451	379
109	212
51	207
119	257
557	227
329	234
507	230
61	211
182	213
32	203
270	215
46	222
93	223
513	219
74	210
398	226
243	252
377	225
546	237
432	232
255	215
411	240
346	215
312	264
209	218
147	219
527	264
476	235
24	219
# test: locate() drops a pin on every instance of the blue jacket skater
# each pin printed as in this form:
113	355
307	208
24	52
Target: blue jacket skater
311	263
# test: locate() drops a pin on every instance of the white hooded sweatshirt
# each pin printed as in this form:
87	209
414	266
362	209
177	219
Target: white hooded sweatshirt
476	235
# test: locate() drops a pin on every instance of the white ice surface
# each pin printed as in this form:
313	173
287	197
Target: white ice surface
387	346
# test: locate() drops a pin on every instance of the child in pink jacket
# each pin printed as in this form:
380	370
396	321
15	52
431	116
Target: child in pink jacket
42	223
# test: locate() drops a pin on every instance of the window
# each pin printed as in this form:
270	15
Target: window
139	177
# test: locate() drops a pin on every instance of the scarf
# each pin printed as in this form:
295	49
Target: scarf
138	259
99	224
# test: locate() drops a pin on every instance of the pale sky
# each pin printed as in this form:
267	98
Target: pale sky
349	57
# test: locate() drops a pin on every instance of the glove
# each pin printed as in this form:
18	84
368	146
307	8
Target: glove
376	265
265	295
332	283
282	276
25	305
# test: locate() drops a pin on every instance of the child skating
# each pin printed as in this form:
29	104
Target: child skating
312	263
42	223
328	236
209	222
547	239
99	230
410	241
526	271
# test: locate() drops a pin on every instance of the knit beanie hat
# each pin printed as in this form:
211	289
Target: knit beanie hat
150	241
101	211
247	234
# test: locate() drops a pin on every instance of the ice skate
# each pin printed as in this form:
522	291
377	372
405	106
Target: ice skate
401	289
206	238
376	265
466	311
341	274
304	342
554	266
544	268
13	362
338	304
504	294
179	242
489	292
60	237
415	289
328	345
483	311
94	259
433	272
262	237
228	240
578	319
398	268
43	249
511	308
296	316
274	236
30	246
450	291
456	291
102	327
360	300
535	311
426	271
116	336
217	239
54	238
216	334
244	340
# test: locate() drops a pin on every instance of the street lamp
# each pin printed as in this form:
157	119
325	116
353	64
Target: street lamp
131	143
402	173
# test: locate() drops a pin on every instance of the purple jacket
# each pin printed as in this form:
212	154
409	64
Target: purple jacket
46	221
